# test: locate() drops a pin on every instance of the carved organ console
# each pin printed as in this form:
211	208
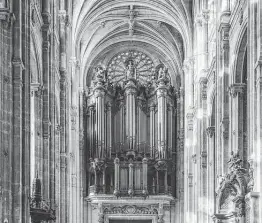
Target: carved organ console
131	127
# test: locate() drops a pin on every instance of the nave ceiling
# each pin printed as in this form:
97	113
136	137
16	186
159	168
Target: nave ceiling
160	29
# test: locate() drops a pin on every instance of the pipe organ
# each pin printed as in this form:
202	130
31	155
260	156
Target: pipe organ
131	124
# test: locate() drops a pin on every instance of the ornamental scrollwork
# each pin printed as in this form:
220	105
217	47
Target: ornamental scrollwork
130	209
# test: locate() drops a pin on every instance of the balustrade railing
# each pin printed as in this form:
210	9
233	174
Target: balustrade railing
152	190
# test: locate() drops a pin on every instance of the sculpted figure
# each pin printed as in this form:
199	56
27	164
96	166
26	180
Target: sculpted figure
161	72
100	73
131	72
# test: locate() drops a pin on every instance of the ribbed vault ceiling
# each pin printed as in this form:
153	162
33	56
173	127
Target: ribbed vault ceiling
159	28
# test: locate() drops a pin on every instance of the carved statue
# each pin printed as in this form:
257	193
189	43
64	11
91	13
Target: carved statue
161	72
100	74
235	163
131	71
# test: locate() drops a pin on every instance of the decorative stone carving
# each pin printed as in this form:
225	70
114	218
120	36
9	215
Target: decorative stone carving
161	165
39	209
98	165
100	74
161	73
142	66
233	187
130	209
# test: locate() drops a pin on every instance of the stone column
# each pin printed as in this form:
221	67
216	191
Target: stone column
189	166
34	155
46	99
236	92
162	119
63	153
100	120
223	99
254	89
203	151
181	149
130	92
211	171
257	148
116	190
17	150
225	7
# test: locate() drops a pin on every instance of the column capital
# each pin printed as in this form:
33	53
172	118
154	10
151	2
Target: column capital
210	131
235	89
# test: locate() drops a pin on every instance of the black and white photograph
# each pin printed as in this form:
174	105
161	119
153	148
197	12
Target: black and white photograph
130	111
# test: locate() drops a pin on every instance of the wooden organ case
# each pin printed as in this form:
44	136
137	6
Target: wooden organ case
131	128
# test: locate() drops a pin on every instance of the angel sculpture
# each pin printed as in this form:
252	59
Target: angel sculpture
100	74
131	71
